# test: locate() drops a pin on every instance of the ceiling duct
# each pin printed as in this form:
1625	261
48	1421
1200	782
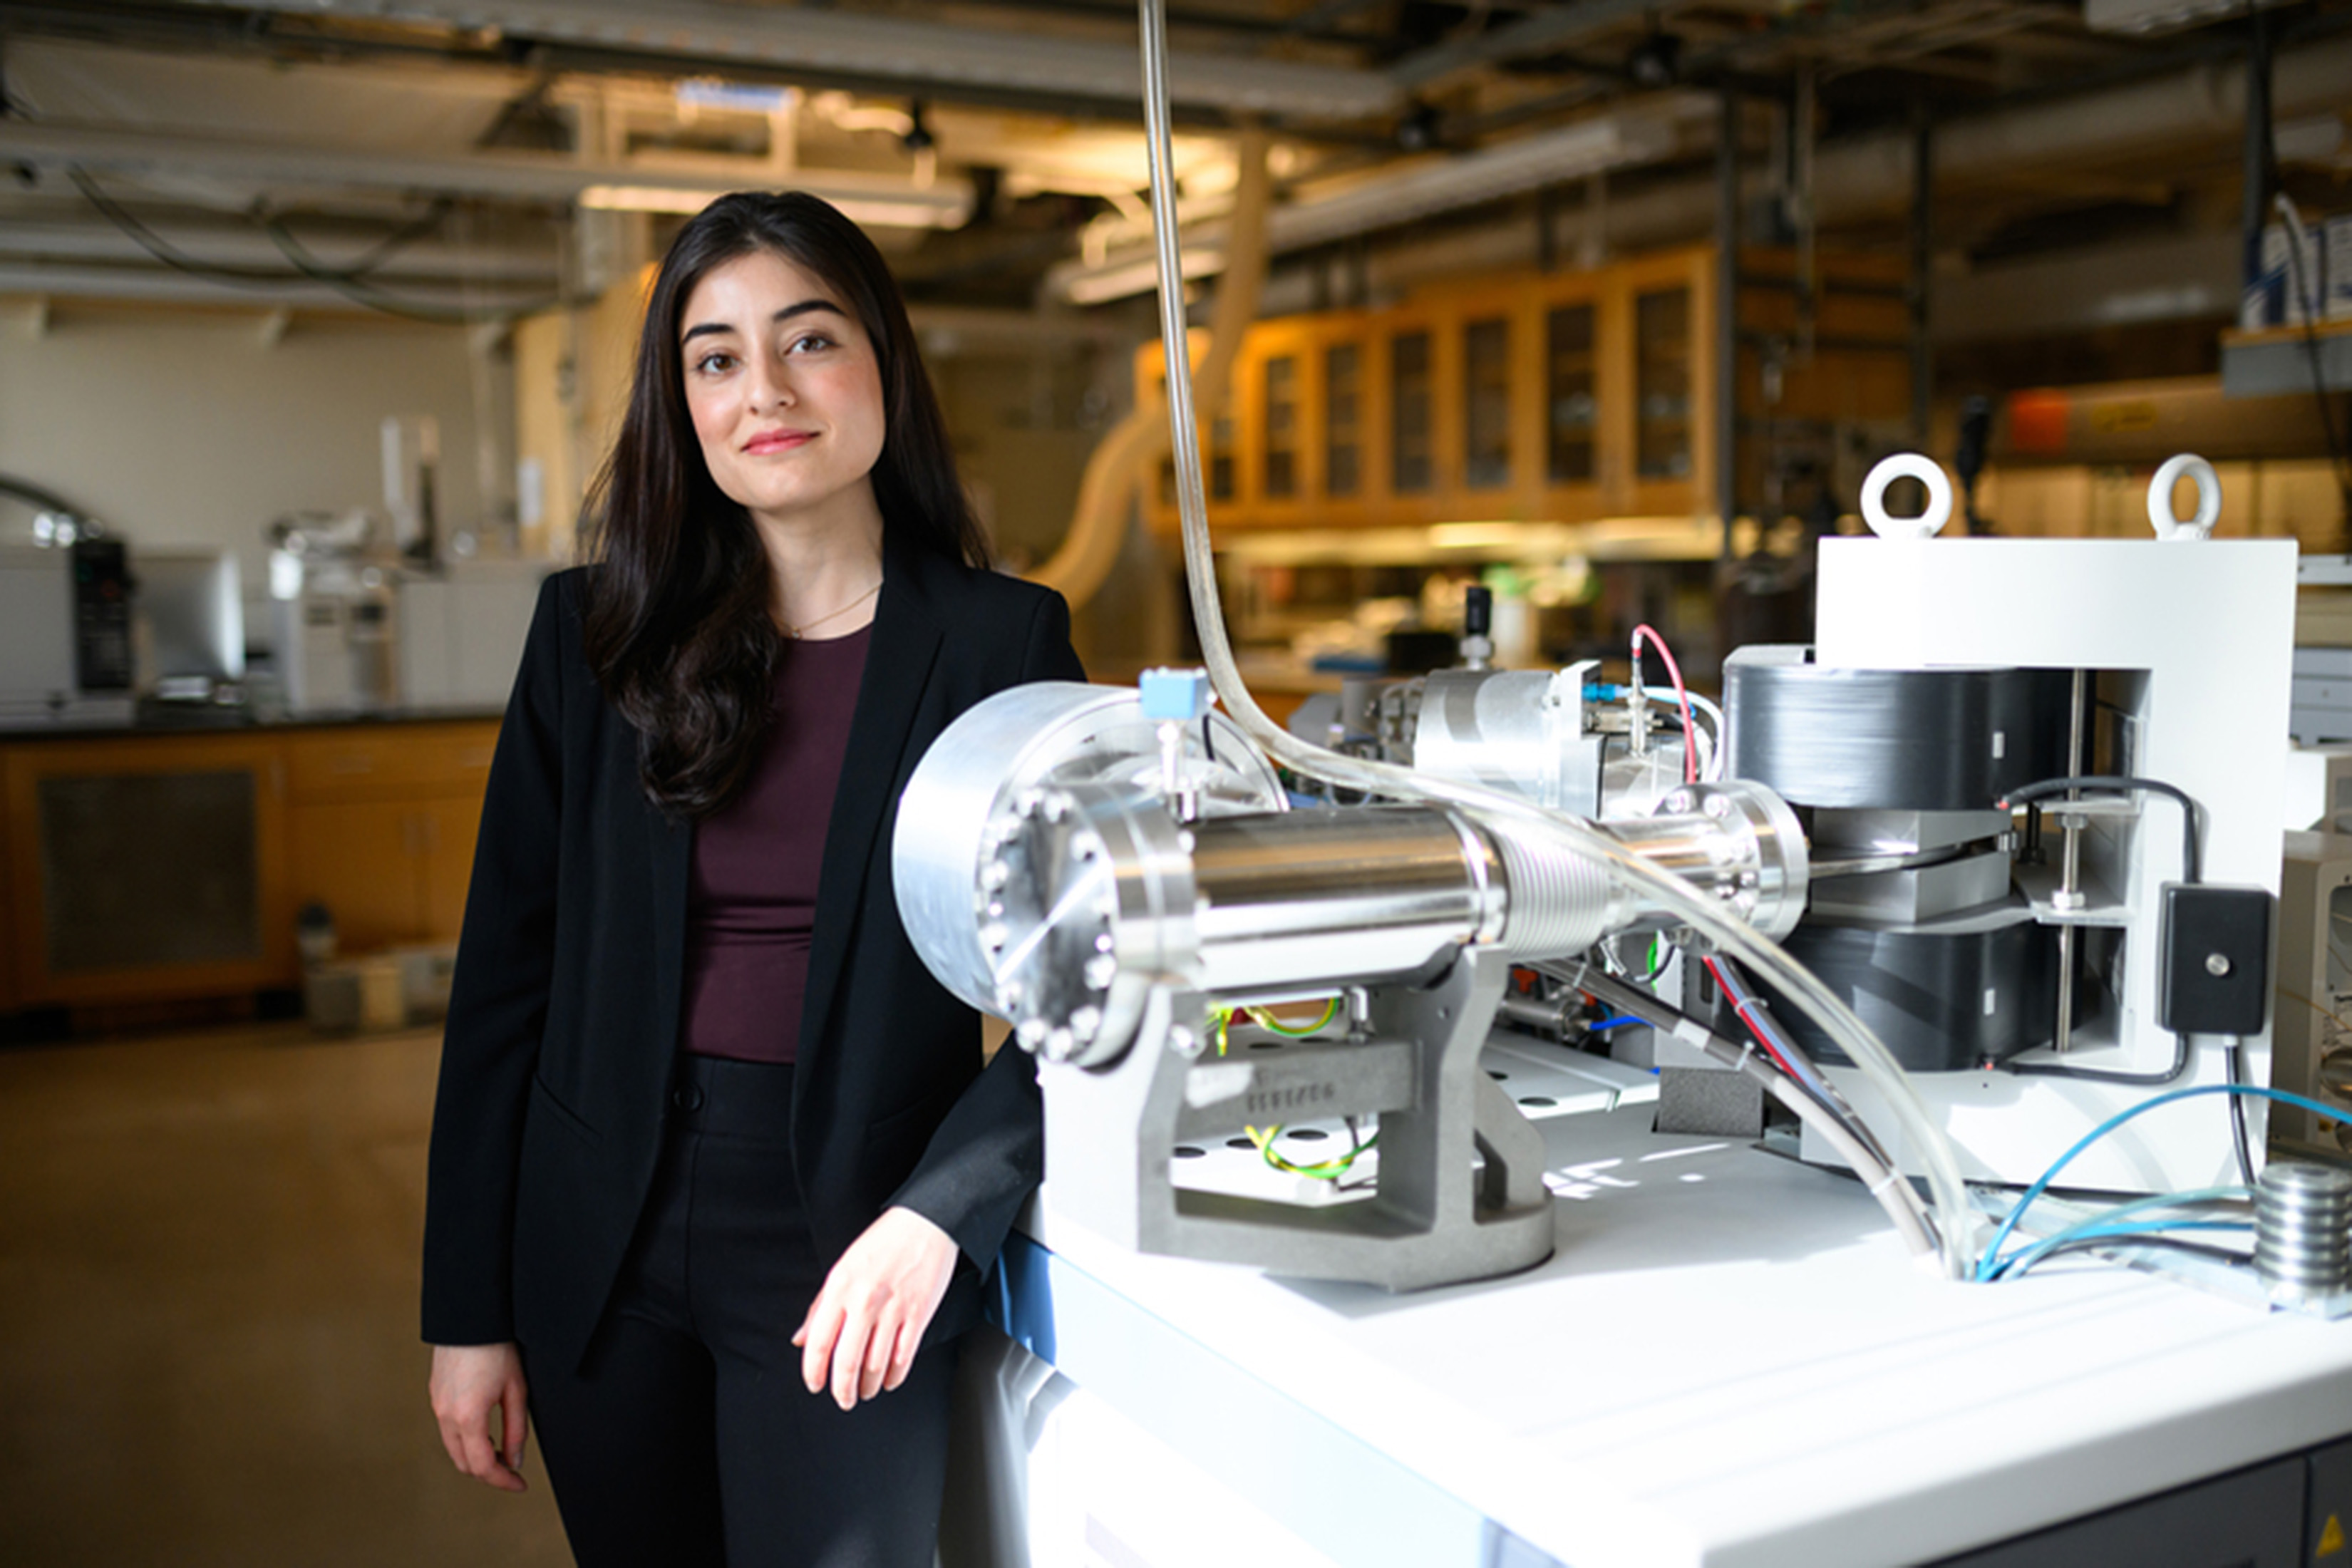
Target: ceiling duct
513	176
1423	190
883	49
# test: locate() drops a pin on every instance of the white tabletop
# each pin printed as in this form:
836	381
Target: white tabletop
1729	1360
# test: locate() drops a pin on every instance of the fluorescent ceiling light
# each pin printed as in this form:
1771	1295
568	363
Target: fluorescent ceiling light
744	97
916	209
646	199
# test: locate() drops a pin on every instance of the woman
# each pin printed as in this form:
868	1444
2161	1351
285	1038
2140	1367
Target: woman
716	1170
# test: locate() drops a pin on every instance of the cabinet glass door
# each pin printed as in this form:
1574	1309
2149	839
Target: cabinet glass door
1280	478
1571	394
1343	436
1486	404
1412	465
1662	370
1216	455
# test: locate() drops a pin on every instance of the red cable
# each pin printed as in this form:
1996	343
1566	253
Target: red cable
1740	1010
1682	694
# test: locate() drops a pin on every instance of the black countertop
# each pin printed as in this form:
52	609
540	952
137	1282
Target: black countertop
157	718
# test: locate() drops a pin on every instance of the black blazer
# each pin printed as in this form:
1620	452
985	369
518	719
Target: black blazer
565	1014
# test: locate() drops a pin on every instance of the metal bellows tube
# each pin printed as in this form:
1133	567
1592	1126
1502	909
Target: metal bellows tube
1738	841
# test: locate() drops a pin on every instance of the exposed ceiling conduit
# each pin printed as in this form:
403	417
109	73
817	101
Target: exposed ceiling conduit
1538	34
35	240
159	287
1128	454
919	53
1869	177
1642	133
519	177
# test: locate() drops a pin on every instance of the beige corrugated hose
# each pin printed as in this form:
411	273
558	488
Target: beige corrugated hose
1125	455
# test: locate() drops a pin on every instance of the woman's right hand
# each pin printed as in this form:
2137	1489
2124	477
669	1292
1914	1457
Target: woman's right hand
479	1397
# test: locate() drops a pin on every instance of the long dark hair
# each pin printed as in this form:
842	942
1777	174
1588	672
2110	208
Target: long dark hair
677	627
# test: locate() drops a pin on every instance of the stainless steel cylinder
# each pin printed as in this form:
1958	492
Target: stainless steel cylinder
1095	894
2302	1230
1048	733
1340	896
1515	729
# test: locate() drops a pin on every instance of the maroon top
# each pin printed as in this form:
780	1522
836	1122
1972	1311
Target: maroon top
752	908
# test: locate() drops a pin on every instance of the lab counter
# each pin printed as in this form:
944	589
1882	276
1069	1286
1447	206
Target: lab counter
1729	1361
154	716
166	860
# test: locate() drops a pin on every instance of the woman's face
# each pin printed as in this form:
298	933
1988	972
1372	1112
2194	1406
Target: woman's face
784	390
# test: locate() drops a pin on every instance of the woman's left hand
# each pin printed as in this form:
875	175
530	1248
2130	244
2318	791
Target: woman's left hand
861	1333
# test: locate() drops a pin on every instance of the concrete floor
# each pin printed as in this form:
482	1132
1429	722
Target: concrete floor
208	1281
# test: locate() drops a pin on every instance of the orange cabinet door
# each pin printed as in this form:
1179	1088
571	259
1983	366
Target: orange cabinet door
451	828
364	861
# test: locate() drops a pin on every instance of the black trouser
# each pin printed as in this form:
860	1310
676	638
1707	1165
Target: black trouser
686	1437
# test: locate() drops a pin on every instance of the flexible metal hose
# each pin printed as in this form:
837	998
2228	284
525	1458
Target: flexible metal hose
1955	1221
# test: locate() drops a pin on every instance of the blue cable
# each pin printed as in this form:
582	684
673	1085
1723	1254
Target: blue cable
2017	1264
2112	1215
1985	1264
1613	1022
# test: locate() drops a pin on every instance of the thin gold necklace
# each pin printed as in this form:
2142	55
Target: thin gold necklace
797	632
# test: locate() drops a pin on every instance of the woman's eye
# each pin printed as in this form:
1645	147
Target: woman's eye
714	363
811	342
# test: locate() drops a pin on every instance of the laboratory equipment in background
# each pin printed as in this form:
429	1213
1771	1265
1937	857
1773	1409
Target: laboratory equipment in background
2311	1053
460	630
65	636
189	612
2319	789
360	631
2322	695
412	473
331	609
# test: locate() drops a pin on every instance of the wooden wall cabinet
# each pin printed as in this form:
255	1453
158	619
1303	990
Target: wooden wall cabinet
159	867
1525	397
1549	397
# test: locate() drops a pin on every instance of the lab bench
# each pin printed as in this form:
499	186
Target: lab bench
166	860
1729	1362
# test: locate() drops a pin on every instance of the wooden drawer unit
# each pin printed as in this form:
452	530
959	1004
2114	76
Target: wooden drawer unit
382	823
391	761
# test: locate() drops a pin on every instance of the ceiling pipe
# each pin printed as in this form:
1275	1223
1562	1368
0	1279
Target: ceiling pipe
1538	34
1870	177
1647	133
915	53
95	240
548	178
159	286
